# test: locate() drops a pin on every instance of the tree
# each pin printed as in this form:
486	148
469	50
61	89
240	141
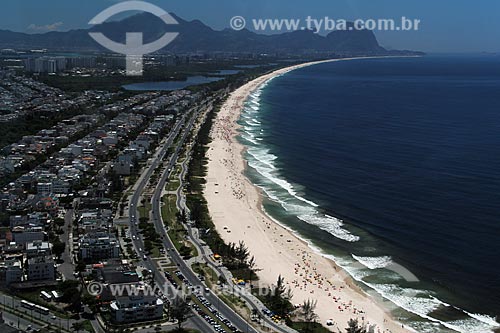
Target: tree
80	266
180	310
251	266
280	288
59	221
77	326
91	301
307	309
181	216
58	248
71	294
353	327
242	253
279	297
148	245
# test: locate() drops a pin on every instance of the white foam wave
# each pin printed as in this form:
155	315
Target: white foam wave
268	173
413	300
373	262
469	325
263	156
251	123
422	303
484	318
331	225
263	162
249	139
297	208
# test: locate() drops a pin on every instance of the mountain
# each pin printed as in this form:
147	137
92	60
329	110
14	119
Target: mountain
195	36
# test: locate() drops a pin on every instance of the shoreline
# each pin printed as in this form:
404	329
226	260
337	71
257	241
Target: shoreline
235	205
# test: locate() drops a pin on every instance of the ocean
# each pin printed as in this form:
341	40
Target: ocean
391	167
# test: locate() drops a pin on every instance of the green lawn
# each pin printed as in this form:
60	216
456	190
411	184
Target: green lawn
88	326
155	252
175	238
173	185
169	209
144	210
211	277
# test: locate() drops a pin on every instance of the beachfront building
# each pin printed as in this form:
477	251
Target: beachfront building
128	309
98	245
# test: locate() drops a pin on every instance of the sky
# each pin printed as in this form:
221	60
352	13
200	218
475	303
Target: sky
446	25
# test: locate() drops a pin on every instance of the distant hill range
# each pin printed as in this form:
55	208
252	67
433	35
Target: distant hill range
194	36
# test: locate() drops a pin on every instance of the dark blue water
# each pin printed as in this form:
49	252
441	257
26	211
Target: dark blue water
407	152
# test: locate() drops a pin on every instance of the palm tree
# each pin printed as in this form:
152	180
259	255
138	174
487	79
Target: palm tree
310	316
180	310
354	327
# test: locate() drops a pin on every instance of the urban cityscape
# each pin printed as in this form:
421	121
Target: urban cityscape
244	180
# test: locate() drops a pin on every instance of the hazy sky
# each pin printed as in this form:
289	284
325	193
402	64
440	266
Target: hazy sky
446	25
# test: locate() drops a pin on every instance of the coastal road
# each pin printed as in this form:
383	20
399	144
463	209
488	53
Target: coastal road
138	241
188	273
